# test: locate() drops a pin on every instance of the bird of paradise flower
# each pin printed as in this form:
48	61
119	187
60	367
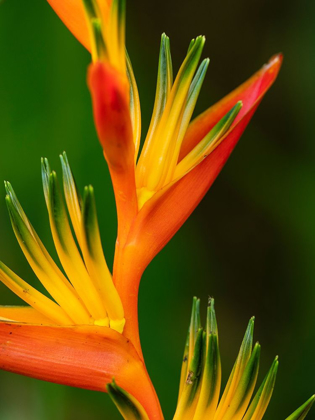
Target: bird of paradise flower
87	333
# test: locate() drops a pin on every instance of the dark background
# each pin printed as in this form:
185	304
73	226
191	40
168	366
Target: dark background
251	242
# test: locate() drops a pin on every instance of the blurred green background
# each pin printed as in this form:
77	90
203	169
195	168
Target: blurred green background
251	242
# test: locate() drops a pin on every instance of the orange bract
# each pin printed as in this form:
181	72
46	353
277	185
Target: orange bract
71	12
167	210
84	357
109	90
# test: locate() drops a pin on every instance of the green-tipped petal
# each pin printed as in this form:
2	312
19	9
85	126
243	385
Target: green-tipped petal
262	398
162	145
96	263
42	264
208	143
302	412
211	374
84	220
163	88
212	326
191	44
127	405
184	369
238	370
33	297
211	380
72	196
189	396
194	328
67	250
245	388
189	351
192	98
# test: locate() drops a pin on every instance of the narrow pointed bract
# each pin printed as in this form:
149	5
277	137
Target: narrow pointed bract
262	398
199	393
211	375
85	224
302	411
87	296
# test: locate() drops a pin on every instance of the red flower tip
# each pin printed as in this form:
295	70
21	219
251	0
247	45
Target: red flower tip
110	97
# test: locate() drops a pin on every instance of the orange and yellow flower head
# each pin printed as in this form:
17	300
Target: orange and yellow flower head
84	331
158	186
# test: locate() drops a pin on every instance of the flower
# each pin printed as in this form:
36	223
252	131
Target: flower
76	336
86	333
155	190
200	379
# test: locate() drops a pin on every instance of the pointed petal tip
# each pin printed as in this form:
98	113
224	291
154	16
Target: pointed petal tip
211	302
276	58
312	399
274	63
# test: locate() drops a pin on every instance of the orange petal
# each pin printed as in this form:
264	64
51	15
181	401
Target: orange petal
24	314
84	357
72	13
248	93
164	214
110	97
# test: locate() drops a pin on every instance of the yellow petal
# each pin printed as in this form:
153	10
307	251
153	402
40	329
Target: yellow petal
23	314
37	300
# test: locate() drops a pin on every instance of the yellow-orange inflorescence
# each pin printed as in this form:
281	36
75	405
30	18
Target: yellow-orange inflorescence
86	332
87	296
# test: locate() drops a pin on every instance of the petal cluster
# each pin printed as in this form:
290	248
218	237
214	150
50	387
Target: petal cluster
200	396
159	185
200	383
87	296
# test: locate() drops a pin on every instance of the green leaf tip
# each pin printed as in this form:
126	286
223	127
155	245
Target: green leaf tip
127	405
212	327
262	398
302	411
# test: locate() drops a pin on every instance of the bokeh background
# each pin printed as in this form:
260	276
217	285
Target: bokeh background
251	242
